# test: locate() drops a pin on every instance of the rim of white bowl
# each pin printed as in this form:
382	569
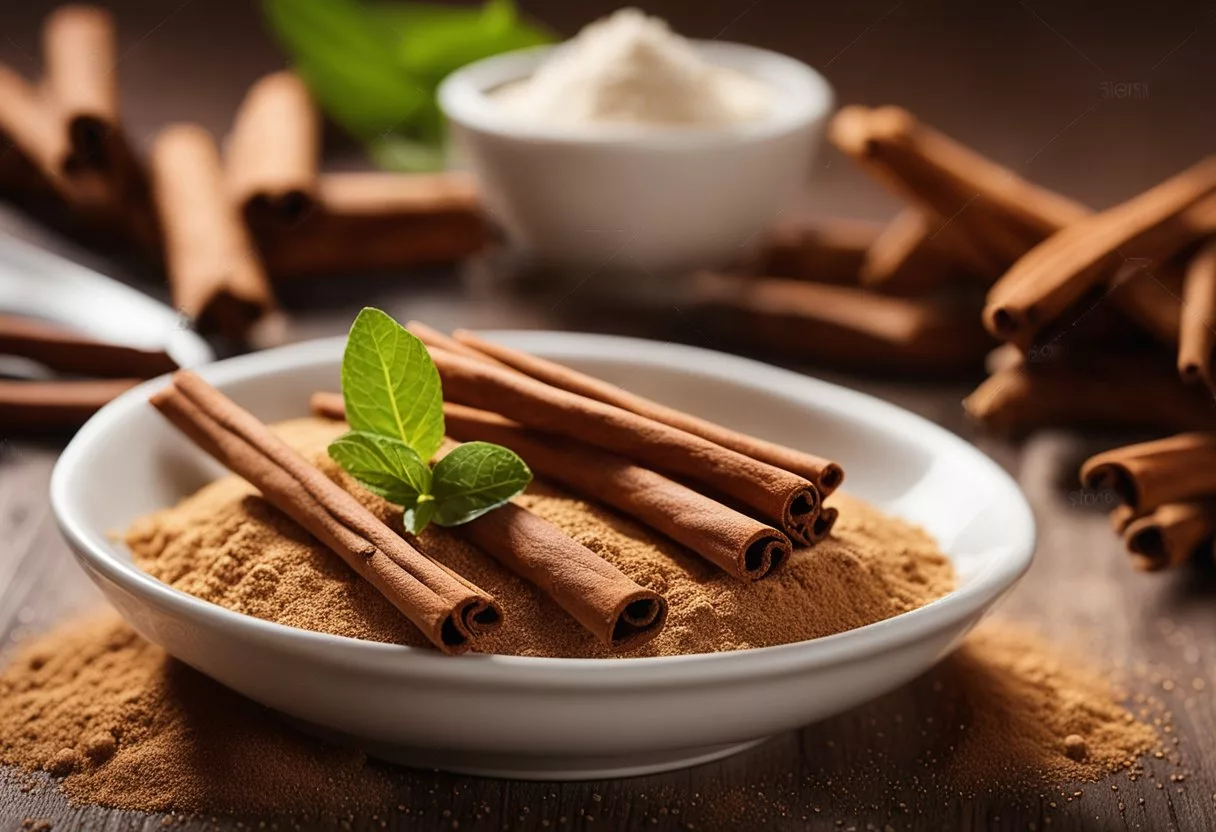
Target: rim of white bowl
565	673
801	95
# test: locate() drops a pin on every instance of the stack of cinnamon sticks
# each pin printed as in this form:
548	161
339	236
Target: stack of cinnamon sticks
224	226
739	502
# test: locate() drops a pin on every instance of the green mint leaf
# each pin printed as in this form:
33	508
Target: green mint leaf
348	59
416	519
384	465
390	385
475	478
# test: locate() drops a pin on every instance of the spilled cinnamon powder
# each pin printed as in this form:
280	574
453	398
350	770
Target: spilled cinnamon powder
122	724
227	546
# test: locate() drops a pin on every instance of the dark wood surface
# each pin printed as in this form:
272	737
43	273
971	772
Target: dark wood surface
1037	86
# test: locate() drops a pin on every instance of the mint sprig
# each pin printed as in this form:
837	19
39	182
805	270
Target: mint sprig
394	404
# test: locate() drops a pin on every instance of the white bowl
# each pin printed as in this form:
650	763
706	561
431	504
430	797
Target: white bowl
559	718
636	199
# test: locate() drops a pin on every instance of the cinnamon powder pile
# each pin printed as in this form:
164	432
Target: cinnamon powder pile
227	546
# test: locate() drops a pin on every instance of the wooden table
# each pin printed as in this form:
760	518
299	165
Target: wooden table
1038	87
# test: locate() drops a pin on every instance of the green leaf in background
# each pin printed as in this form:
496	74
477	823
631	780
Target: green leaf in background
374	68
390	385
384	465
474	478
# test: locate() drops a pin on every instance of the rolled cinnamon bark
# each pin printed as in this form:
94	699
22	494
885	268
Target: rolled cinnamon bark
378	221
736	543
449	610
1171	535
434	338
1023	397
617	611
33	128
1150	296
271	153
68	351
911	148
825	474
215	274
80	59
1121	517
1150	474
824	523
1197	329
1059	271
328	405
906	258
851	130
54	405
841	325
773	493
826	252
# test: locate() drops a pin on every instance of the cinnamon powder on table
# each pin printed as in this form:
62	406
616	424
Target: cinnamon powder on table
227	546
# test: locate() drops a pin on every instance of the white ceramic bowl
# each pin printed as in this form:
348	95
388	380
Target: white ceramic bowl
559	718
634	199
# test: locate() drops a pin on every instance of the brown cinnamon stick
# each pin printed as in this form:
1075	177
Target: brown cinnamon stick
1151	474
271	154
68	351
826	252
1022	397
842	325
434	338
906	258
1121	517
738	544
825	474
54	405
80	60
378	221
449	611
1058	272
773	493
215	273
1197	328
619	612
328	405
1171	535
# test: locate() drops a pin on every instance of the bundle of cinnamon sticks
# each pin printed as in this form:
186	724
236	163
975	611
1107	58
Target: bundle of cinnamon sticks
223	226
739	502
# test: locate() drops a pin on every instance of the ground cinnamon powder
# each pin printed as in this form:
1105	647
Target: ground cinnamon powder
126	726
225	545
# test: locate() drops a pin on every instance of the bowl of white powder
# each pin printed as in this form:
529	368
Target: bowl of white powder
630	148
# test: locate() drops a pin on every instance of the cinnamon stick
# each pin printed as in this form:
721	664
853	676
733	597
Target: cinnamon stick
1197	328
824	523
271	154
736	543
906	259
378	221
67	351
1059	271
775	494
214	271
1121	517
911	148
842	325
825	474
449	610
1022	397
826	252
434	338
1171	535
328	405
80	59
1151	474
619	612
54	405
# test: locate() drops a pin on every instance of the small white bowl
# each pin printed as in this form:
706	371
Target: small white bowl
558	719
625	198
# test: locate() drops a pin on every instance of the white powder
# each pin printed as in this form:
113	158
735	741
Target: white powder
630	68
